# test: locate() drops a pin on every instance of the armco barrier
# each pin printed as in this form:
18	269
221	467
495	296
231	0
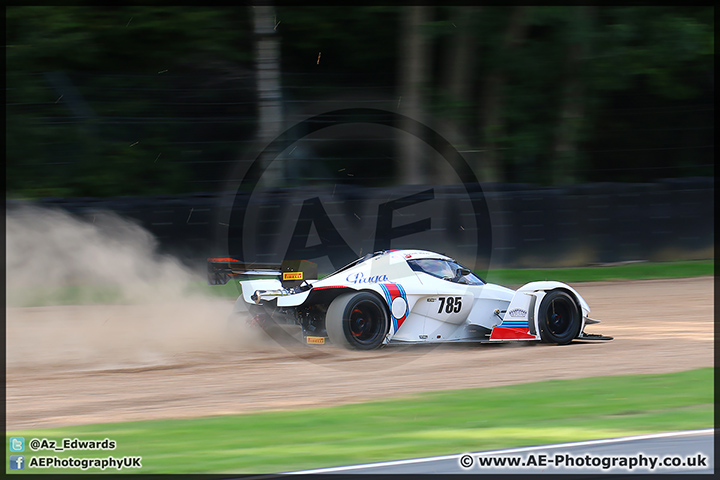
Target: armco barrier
531	226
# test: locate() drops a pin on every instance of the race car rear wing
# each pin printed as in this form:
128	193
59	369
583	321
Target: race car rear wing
291	272
221	270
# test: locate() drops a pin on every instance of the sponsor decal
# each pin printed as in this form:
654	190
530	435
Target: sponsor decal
517	312
315	340
292	275
360	278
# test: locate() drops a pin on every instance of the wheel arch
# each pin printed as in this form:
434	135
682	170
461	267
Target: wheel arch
579	302
548	286
325	295
575	296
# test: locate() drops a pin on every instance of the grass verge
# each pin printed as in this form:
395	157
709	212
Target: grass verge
425	424
630	271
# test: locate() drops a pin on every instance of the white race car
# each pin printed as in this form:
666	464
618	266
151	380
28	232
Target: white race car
404	297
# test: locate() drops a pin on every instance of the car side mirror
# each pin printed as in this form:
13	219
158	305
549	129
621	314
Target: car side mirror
461	272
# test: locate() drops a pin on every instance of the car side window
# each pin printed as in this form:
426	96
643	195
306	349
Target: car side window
445	270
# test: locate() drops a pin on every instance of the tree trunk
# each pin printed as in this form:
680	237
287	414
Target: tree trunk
413	73
269	93
456	82
572	111
492	125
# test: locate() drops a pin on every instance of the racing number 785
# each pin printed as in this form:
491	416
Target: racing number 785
451	304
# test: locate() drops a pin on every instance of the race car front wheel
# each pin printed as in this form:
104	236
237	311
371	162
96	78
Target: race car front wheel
559	318
357	320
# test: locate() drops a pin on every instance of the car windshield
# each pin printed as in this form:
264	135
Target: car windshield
445	269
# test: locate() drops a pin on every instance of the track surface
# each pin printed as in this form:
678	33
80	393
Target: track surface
695	448
90	364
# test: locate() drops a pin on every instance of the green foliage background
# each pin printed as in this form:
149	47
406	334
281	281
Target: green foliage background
163	99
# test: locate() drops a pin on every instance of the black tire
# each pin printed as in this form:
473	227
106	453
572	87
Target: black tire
558	318
357	320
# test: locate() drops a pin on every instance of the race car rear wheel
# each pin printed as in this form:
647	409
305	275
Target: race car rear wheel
558	318
357	320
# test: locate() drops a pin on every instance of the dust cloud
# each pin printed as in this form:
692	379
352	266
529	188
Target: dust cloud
152	311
